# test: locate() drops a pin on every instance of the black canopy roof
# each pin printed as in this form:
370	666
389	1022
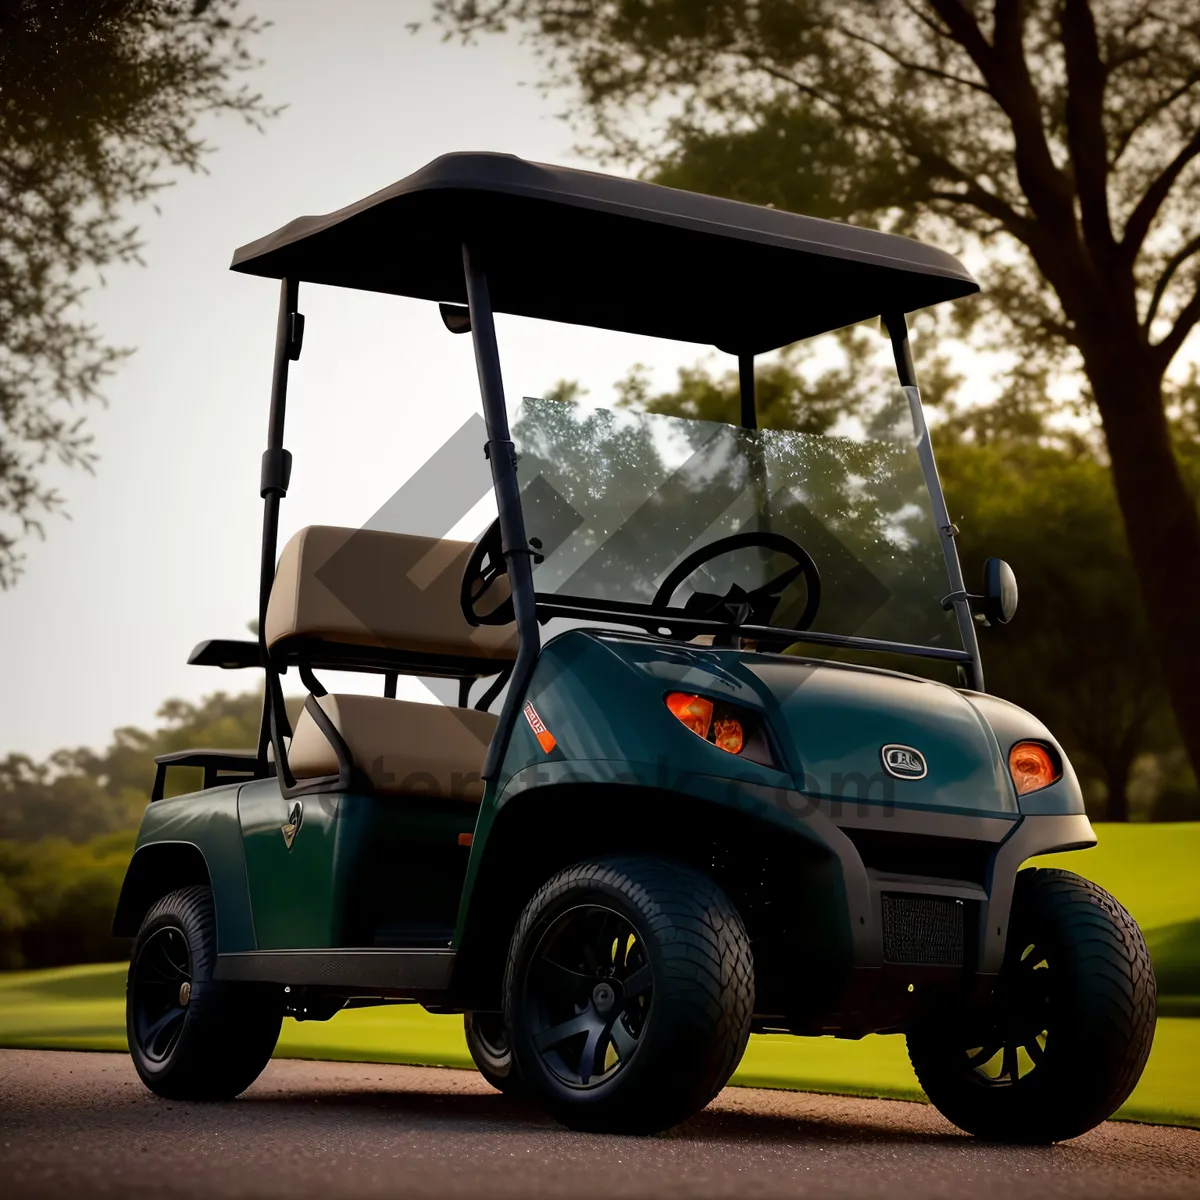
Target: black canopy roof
592	249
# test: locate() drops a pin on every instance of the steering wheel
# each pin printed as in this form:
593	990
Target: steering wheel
484	567
755	607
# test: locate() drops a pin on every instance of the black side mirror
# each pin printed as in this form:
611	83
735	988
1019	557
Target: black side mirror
456	317
998	604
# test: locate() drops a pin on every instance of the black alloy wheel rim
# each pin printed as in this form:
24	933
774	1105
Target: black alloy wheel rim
162	986
1012	1043
587	995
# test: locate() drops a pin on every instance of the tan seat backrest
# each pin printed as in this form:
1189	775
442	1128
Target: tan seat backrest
401	747
394	591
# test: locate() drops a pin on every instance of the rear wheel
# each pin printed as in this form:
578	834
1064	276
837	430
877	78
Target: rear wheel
1069	1028
487	1040
629	991
192	1038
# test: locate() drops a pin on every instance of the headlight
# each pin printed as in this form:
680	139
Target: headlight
1033	767
726	726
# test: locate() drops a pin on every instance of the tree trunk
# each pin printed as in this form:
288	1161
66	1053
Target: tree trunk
1116	782
1162	524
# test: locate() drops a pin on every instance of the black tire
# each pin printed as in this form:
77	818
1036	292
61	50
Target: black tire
628	991
487	1040
1074	1004
192	1038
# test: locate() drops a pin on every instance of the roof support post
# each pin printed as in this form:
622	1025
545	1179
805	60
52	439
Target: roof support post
906	371
514	543
747	391
273	485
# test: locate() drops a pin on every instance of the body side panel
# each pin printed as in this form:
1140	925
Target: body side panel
209	822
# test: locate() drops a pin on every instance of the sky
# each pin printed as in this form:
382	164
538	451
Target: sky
162	546
161	549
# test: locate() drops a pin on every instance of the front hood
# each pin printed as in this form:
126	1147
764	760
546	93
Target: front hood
839	720
830	723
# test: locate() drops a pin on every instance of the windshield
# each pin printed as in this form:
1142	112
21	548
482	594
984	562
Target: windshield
618	497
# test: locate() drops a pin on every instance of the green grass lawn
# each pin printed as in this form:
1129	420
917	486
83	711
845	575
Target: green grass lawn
1149	868
82	1008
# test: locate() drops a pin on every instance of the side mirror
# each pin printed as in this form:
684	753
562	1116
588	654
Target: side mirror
456	317
998	604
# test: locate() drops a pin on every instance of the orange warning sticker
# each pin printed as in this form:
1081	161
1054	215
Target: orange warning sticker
544	736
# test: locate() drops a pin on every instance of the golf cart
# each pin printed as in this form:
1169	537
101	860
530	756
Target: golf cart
686	793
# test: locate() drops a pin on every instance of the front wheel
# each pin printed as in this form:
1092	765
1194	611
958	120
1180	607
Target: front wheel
629	991
1069	1027
190	1037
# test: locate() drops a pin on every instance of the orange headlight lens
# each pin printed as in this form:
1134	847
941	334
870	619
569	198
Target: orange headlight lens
728	734
694	711
1032	767
729	727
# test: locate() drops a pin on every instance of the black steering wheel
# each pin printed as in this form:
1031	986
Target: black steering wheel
484	567
738	606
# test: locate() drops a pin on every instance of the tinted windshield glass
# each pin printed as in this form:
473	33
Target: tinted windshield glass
618	497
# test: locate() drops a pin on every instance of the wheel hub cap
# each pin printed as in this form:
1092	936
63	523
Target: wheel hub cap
587	994
160	985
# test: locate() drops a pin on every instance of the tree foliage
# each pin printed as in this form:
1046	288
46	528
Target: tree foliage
67	827
98	103
1018	123
1059	138
82	793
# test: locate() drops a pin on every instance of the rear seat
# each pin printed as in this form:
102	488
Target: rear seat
402	748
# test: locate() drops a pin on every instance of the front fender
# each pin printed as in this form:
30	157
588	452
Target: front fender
175	836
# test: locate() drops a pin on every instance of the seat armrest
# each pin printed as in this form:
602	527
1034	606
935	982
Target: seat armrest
229	655
237	762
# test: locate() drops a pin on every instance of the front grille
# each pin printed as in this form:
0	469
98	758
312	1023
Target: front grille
919	854
922	929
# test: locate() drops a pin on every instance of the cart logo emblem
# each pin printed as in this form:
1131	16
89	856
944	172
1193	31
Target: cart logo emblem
292	827
904	762
544	736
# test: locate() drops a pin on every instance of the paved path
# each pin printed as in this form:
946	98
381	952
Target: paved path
81	1125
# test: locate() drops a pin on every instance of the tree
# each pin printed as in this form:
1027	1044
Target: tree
1063	136
67	827
81	793
98	101
1078	654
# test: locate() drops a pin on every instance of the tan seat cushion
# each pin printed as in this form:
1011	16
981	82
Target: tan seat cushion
403	748
395	591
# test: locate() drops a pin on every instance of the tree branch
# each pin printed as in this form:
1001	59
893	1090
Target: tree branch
1004	68
1173	264
1147	208
1184	324
786	77
962	26
988	203
1086	80
926	20
974	194
1124	138
911	65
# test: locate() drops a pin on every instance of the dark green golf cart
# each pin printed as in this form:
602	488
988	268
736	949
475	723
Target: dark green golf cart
722	759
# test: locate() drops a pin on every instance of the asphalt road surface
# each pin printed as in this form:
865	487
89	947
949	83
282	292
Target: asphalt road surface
81	1125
